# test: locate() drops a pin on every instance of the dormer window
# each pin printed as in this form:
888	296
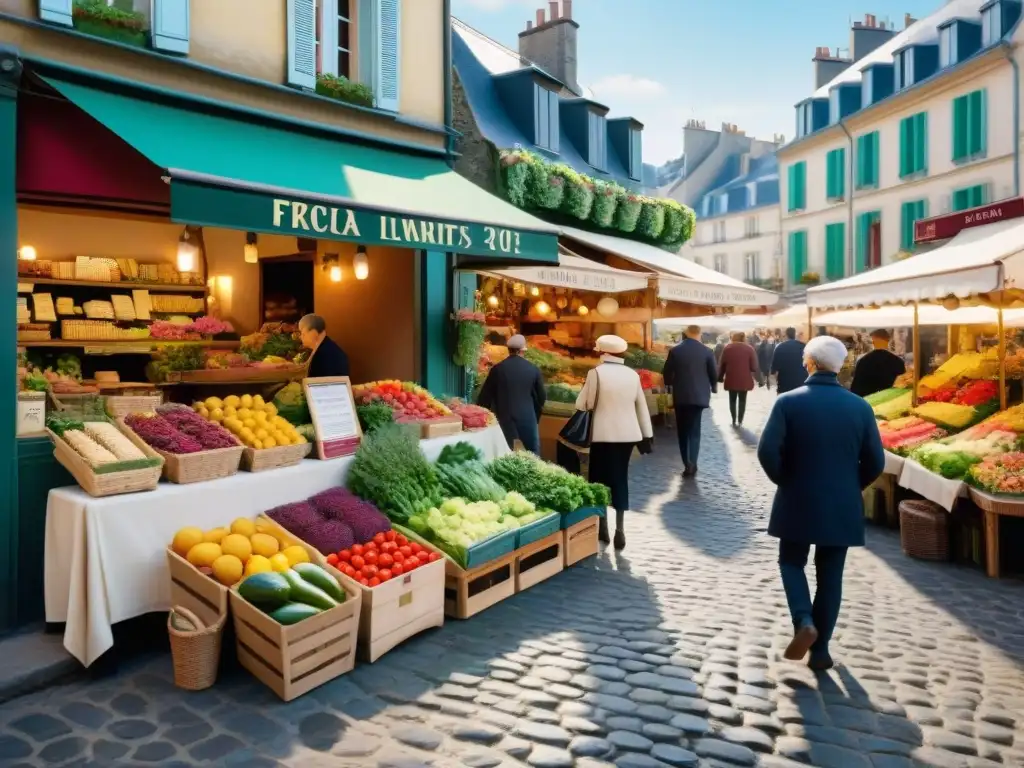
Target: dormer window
991	24
636	160
545	118
833	106
706	207
947	46
597	141
752	194
723	204
904	63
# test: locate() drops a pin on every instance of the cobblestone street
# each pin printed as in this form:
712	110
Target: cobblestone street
669	654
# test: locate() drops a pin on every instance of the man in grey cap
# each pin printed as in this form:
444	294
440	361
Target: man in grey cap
514	390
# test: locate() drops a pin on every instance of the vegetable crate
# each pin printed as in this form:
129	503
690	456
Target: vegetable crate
199	467
101	484
579	541
442	427
468	592
538	561
293	660
538	529
192	590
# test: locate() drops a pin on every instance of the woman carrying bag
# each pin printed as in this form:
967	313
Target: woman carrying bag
619	421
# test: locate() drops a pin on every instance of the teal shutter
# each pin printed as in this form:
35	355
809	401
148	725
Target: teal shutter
170	25
921	142
56	11
910	213
867	160
791	188
388	68
797	256
863	238
873	159
835	251
979	196
970	197
797	186
961	201
961	129
835	174
905	146
302	43
977	138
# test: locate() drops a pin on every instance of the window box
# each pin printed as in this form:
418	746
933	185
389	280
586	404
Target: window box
343	89
810	278
96	18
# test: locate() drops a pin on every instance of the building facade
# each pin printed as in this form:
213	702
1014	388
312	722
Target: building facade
910	124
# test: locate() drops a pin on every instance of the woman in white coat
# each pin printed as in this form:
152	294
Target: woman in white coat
620	423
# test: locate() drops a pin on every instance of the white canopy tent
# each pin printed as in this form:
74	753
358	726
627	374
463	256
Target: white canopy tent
978	260
679	279
928	314
714	322
795	316
577	273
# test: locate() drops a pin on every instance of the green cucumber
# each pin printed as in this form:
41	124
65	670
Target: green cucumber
266	590
318	577
303	592
293	613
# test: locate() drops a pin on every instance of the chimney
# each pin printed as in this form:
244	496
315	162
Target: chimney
551	43
867	35
908	20
826	65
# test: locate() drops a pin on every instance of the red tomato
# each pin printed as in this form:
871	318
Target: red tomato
402	541
423	556
411	564
397	556
379	539
388	546
344	556
405	549
374	582
369	571
390	535
397	569
416	548
384	560
384	574
370	556
357	549
332	559
433	558
364	582
358	562
347	569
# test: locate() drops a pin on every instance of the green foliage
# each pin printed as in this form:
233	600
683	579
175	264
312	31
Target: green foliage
99	11
515	174
606	200
471	335
390	470
579	196
343	89
459	453
374	416
549	363
628	211
651	222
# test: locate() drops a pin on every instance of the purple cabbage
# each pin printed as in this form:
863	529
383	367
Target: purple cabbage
331	536
294	516
159	433
365	520
209	434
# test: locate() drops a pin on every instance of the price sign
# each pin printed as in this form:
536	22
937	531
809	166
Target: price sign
333	410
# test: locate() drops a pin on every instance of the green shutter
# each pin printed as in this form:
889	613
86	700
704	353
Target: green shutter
976	137
791	188
797	194
835	176
905	146
921	142
863	236
970	197
835	251
910	213
867	160
797	256
961	128
961	201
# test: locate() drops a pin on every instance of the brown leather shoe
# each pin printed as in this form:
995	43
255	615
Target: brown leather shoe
801	643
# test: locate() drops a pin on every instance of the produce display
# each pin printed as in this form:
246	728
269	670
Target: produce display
255	423
951	416
457	524
885	395
546	485
972	393
563	393
332	520
408	401
895	407
293	594
290	402
473	416
245	548
953	456
160	434
385	556
103	447
999	474
208	434
903	435
278	341
374	415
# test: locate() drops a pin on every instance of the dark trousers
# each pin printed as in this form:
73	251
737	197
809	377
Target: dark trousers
737	405
526	430
823	612
688	426
609	465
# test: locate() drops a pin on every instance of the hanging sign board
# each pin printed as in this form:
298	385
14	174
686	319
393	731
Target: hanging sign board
333	410
951	224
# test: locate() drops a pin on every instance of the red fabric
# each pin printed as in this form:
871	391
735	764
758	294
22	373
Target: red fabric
738	366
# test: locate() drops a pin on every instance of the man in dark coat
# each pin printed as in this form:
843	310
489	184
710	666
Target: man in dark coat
788	363
764	356
878	369
821	447
328	359
514	390
692	375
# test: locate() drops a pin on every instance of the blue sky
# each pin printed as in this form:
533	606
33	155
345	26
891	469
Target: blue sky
665	61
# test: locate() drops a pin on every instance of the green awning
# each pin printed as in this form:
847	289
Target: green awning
242	175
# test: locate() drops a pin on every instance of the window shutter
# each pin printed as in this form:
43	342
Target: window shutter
921	142
56	11
960	128
170	25
388	54
302	43
978	137
554	127
863	225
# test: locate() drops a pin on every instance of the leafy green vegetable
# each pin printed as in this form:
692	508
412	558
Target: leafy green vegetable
59	424
468	481
36	382
546	485
69	365
291	404
390	470
549	363
562	393
460	453
374	415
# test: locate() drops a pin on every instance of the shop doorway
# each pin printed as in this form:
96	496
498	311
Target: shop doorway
286	288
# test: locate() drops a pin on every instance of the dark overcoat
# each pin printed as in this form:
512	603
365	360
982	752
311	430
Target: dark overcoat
821	447
514	390
692	373
788	365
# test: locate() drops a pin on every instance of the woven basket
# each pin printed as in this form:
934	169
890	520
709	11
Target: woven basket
274	458
924	530
195	655
110	483
183	468
119	406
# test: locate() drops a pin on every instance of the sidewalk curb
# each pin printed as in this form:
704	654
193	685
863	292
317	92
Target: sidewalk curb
32	659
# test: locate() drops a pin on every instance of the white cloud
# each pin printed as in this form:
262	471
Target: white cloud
625	86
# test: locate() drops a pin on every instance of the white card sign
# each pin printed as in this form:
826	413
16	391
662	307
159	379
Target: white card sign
333	410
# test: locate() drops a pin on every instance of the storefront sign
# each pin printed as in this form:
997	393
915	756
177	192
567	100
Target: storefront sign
692	292
945	227
254	211
580	279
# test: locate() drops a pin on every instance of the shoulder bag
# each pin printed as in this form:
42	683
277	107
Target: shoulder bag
577	432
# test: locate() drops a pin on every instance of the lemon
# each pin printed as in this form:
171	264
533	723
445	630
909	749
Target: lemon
270	443
257	445
227	569
204	412
262	434
249	423
244	413
271	409
215	535
185	539
296	554
298	440
229	411
202	555
257	402
213	402
246	401
279	563
238	545
246	432
217	414
233	401
258	564
260	416
243	526
264	544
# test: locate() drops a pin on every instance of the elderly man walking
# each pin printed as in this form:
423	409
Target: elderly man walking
514	390
821	448
692	374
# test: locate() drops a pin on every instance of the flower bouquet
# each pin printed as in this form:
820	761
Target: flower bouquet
472	332
1003	473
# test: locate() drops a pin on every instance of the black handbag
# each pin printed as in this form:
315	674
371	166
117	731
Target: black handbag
578	431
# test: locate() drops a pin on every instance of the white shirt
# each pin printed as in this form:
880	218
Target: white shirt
621	414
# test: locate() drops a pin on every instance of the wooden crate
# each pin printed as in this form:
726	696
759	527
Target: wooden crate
442	427
538	561
293	660
468	592
579	541
206	598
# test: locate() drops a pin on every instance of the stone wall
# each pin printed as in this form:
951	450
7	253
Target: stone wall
477	159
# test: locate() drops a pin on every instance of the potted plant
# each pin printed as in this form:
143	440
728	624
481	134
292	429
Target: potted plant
810	278
343	89
95	17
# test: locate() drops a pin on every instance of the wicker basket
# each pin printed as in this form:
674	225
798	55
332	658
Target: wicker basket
274	458
184	468
111	483
119	406
924	530
195	655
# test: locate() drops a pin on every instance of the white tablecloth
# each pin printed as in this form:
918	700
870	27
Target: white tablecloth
893	465
932	486
105	558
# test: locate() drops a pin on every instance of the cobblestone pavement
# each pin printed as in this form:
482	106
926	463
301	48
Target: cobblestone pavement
666	655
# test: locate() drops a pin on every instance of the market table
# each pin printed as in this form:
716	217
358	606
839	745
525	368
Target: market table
105	558
931	486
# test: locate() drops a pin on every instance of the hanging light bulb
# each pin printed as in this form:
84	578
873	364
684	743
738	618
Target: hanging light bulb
186	252
542	308
583	310
607	306
534	291
252	251
492	301
360	264
335	274
27	253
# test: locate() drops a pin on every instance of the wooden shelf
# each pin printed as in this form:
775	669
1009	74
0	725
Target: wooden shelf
124	285
131	346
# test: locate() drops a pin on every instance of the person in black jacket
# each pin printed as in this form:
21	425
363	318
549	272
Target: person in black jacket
692	375
788	363
878	369
514	390
327	359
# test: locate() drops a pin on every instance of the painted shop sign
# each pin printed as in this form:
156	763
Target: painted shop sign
563	277
949	225
702	293
254	211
